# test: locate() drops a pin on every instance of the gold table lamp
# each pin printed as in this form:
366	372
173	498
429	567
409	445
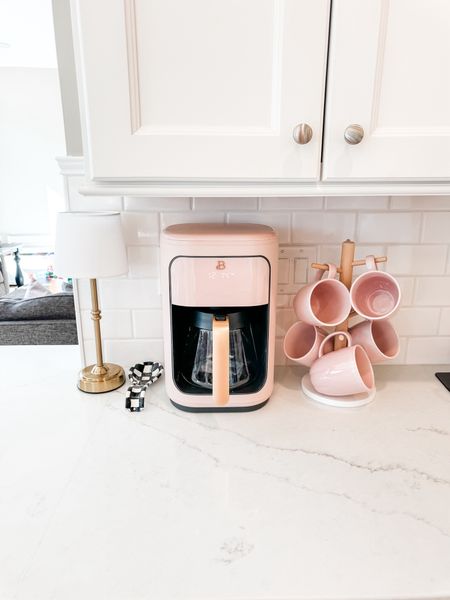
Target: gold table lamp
91	245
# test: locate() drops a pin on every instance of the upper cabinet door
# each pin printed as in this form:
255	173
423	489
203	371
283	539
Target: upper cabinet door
389	73
202	89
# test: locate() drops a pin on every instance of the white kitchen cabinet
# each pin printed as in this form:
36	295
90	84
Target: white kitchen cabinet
201	89
201	97
389	72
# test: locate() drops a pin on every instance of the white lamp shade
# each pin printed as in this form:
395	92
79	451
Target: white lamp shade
90	245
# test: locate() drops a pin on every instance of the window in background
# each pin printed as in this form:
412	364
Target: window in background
31	187
31	127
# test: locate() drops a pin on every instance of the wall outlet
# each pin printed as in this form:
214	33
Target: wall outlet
294	267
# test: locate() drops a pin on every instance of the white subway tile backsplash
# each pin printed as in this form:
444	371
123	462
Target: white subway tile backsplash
432	291
418	259
147	323
114	324
412	231
436	227
357	203
280	222
285	318
428	350
417	321
281	203
130	293
444	325
322	227
301	269
140	228
329	254
284	300
420	202
227	204
143	204
280	358
192	217
388	227
129	352
407	287
143	261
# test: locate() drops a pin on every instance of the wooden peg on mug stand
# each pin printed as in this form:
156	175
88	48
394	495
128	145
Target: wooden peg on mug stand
362	262
355	263
345	275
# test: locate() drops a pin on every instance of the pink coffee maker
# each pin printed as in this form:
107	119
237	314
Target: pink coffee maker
219	297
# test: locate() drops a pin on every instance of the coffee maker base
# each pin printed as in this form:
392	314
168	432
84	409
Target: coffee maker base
205	409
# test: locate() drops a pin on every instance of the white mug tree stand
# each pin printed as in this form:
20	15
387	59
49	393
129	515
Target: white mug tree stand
345	271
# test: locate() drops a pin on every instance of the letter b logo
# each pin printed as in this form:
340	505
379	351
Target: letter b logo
220	265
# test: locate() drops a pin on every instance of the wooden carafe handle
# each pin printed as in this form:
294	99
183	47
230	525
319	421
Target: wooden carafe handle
221	361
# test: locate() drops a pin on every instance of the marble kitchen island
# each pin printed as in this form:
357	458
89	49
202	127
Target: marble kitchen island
295	501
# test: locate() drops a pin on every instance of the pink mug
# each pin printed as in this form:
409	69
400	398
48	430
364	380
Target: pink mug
375	294
343	372
378	338
325	302
302	341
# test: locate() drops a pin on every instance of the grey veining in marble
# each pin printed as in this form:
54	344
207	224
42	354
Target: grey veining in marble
296	500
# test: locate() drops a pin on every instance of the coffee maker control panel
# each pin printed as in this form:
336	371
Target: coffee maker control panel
220	281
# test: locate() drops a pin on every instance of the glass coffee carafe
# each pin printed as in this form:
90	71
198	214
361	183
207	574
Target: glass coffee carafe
241	349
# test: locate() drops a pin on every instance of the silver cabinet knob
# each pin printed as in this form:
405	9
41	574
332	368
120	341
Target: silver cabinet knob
302	133
353	134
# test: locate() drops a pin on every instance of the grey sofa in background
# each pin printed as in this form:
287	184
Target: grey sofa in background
45	320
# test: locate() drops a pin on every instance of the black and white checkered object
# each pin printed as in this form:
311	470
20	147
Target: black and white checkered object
141	375
145	373
134	400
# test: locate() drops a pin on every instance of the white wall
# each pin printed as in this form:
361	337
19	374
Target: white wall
31	136
67	77
26	34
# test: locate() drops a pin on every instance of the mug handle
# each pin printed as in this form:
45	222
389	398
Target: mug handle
331	273
371	263
332	335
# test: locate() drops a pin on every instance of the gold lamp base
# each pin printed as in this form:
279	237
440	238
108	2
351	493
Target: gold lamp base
96	379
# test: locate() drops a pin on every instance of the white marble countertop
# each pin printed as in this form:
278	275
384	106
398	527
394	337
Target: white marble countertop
295	501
